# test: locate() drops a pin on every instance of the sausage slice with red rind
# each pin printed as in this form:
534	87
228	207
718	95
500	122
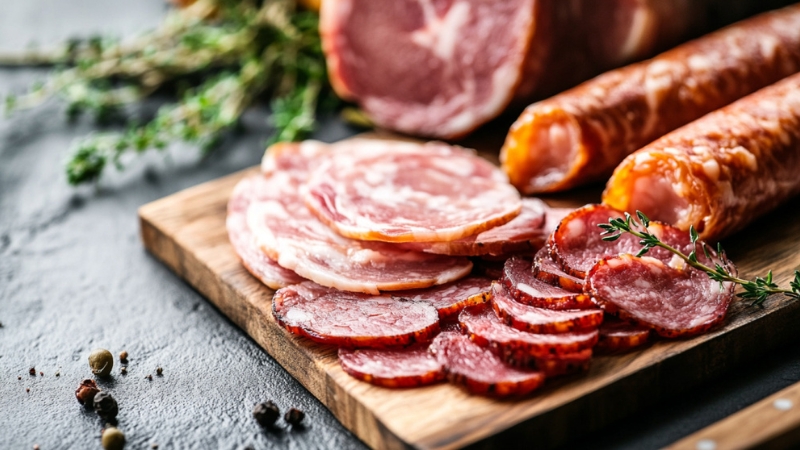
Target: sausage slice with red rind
350	319
565	364
541	320
675	302
392	368
547	270
618	335
513	346
480	370
449	299
527	289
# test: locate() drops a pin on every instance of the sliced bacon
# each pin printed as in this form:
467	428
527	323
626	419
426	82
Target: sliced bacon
517	347
449	299
350	319
547	270
288	232
565	364
541	320
406	192
244	242
675	302
403	368
480	370
619	336
527	289
523	234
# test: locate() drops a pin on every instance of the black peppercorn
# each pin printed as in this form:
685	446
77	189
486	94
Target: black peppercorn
294	416
266	413
159	371
32	371
86	392
105	406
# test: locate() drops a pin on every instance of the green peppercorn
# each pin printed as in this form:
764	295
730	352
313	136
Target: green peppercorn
105	406
86	392
101	361
294	416
113	439
266	413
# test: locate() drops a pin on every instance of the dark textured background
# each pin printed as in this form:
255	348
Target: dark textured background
74	276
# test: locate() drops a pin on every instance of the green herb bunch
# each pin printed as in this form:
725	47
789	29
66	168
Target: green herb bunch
756	290
242	50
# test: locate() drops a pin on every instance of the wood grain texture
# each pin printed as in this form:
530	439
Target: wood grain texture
187	232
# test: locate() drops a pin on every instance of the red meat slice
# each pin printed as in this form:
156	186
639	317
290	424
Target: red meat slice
450	299
618	335
565	364
541	320
350	319
410	367
547	270
406	192
480	370
673	302
517	347
527	289
522	234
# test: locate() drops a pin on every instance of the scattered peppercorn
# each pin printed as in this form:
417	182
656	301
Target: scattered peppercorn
19	378
149	377
294	416
41	374
113	439
86	392
35	446
159	371
266	414
101	362
154	446
27	389
32	371
105	406
123	356
58	374
123	370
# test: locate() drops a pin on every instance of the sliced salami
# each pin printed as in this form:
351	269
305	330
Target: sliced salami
675	302
350	319
565	364
406	192
287	231
401	368
526	288
547	270
523	234
517	347
480	370
244	243
541	320
449	299
618	335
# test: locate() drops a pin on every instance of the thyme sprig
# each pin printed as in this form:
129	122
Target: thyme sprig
243	49
757	290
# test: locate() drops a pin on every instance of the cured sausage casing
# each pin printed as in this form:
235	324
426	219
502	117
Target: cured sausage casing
580	135
719	172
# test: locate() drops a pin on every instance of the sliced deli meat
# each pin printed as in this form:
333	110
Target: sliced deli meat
618	335
349	319
392	368
547	270
523	234
526	288
565	364
721	171
541	320
480	370
674	302
580	135
244	242
449	299
291	235
399	192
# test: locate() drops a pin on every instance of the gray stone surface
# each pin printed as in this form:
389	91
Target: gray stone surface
74	276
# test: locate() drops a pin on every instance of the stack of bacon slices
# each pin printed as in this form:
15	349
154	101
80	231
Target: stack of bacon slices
370	245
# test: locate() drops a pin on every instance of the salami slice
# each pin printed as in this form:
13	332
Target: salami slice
675	302
578	244
449	299
517	347
244	243
565	364
400	192
541	320
526	288
480	370
523	234
403	368
618	335
350	319
287	231
547	270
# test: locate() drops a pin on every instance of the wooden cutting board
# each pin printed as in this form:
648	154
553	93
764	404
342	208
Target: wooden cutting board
187	232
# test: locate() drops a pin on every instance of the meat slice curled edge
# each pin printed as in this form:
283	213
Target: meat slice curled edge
541	320
403	368
526	288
